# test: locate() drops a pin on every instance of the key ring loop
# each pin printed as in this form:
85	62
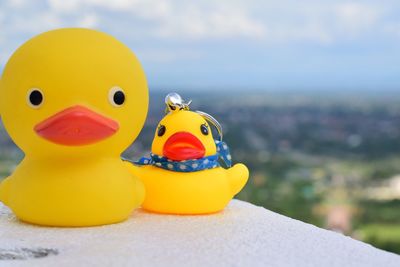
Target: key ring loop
174	102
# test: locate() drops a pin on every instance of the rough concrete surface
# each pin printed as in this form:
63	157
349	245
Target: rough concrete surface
242	235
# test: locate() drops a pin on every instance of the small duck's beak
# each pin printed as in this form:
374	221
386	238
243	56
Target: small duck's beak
183	146
76	126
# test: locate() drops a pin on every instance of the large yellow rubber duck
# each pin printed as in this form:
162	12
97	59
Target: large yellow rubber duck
73	100
183	175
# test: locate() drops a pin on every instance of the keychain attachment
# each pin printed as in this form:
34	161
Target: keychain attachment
175	102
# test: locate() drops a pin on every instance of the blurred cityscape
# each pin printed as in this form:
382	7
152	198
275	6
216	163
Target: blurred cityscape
326	158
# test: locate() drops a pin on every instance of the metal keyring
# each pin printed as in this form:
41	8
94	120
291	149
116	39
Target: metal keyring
175	102
213	121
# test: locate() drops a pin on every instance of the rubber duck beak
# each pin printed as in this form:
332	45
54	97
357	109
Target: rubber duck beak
183	146
76	126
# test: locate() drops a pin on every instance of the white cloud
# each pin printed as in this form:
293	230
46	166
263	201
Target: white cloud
40	22
356	18
176	18
308	32
157	21
166	56
89	21
195	24
263	21
63	6
18	3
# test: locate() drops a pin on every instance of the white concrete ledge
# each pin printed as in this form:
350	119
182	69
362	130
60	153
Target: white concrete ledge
242	235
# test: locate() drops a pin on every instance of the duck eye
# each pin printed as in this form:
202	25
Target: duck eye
161	130
116	96
204	129
35	98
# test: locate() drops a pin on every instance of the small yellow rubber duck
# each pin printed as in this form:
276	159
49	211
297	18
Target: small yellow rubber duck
183	175
73	100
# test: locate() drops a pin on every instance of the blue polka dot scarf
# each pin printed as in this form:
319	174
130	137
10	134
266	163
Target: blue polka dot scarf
192	165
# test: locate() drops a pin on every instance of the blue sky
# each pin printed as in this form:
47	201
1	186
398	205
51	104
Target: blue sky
233	44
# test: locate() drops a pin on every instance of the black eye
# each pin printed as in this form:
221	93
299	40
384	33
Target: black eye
161	130
116	96
35	98
204	129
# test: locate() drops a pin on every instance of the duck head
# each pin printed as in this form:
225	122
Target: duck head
183	135
73	91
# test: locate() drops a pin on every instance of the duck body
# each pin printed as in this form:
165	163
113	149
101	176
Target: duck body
201	192
73	100
101	192
183	175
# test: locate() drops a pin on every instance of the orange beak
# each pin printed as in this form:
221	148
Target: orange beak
183	146
76	126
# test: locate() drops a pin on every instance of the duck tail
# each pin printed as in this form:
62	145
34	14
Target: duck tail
3	191
135	171
238	175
